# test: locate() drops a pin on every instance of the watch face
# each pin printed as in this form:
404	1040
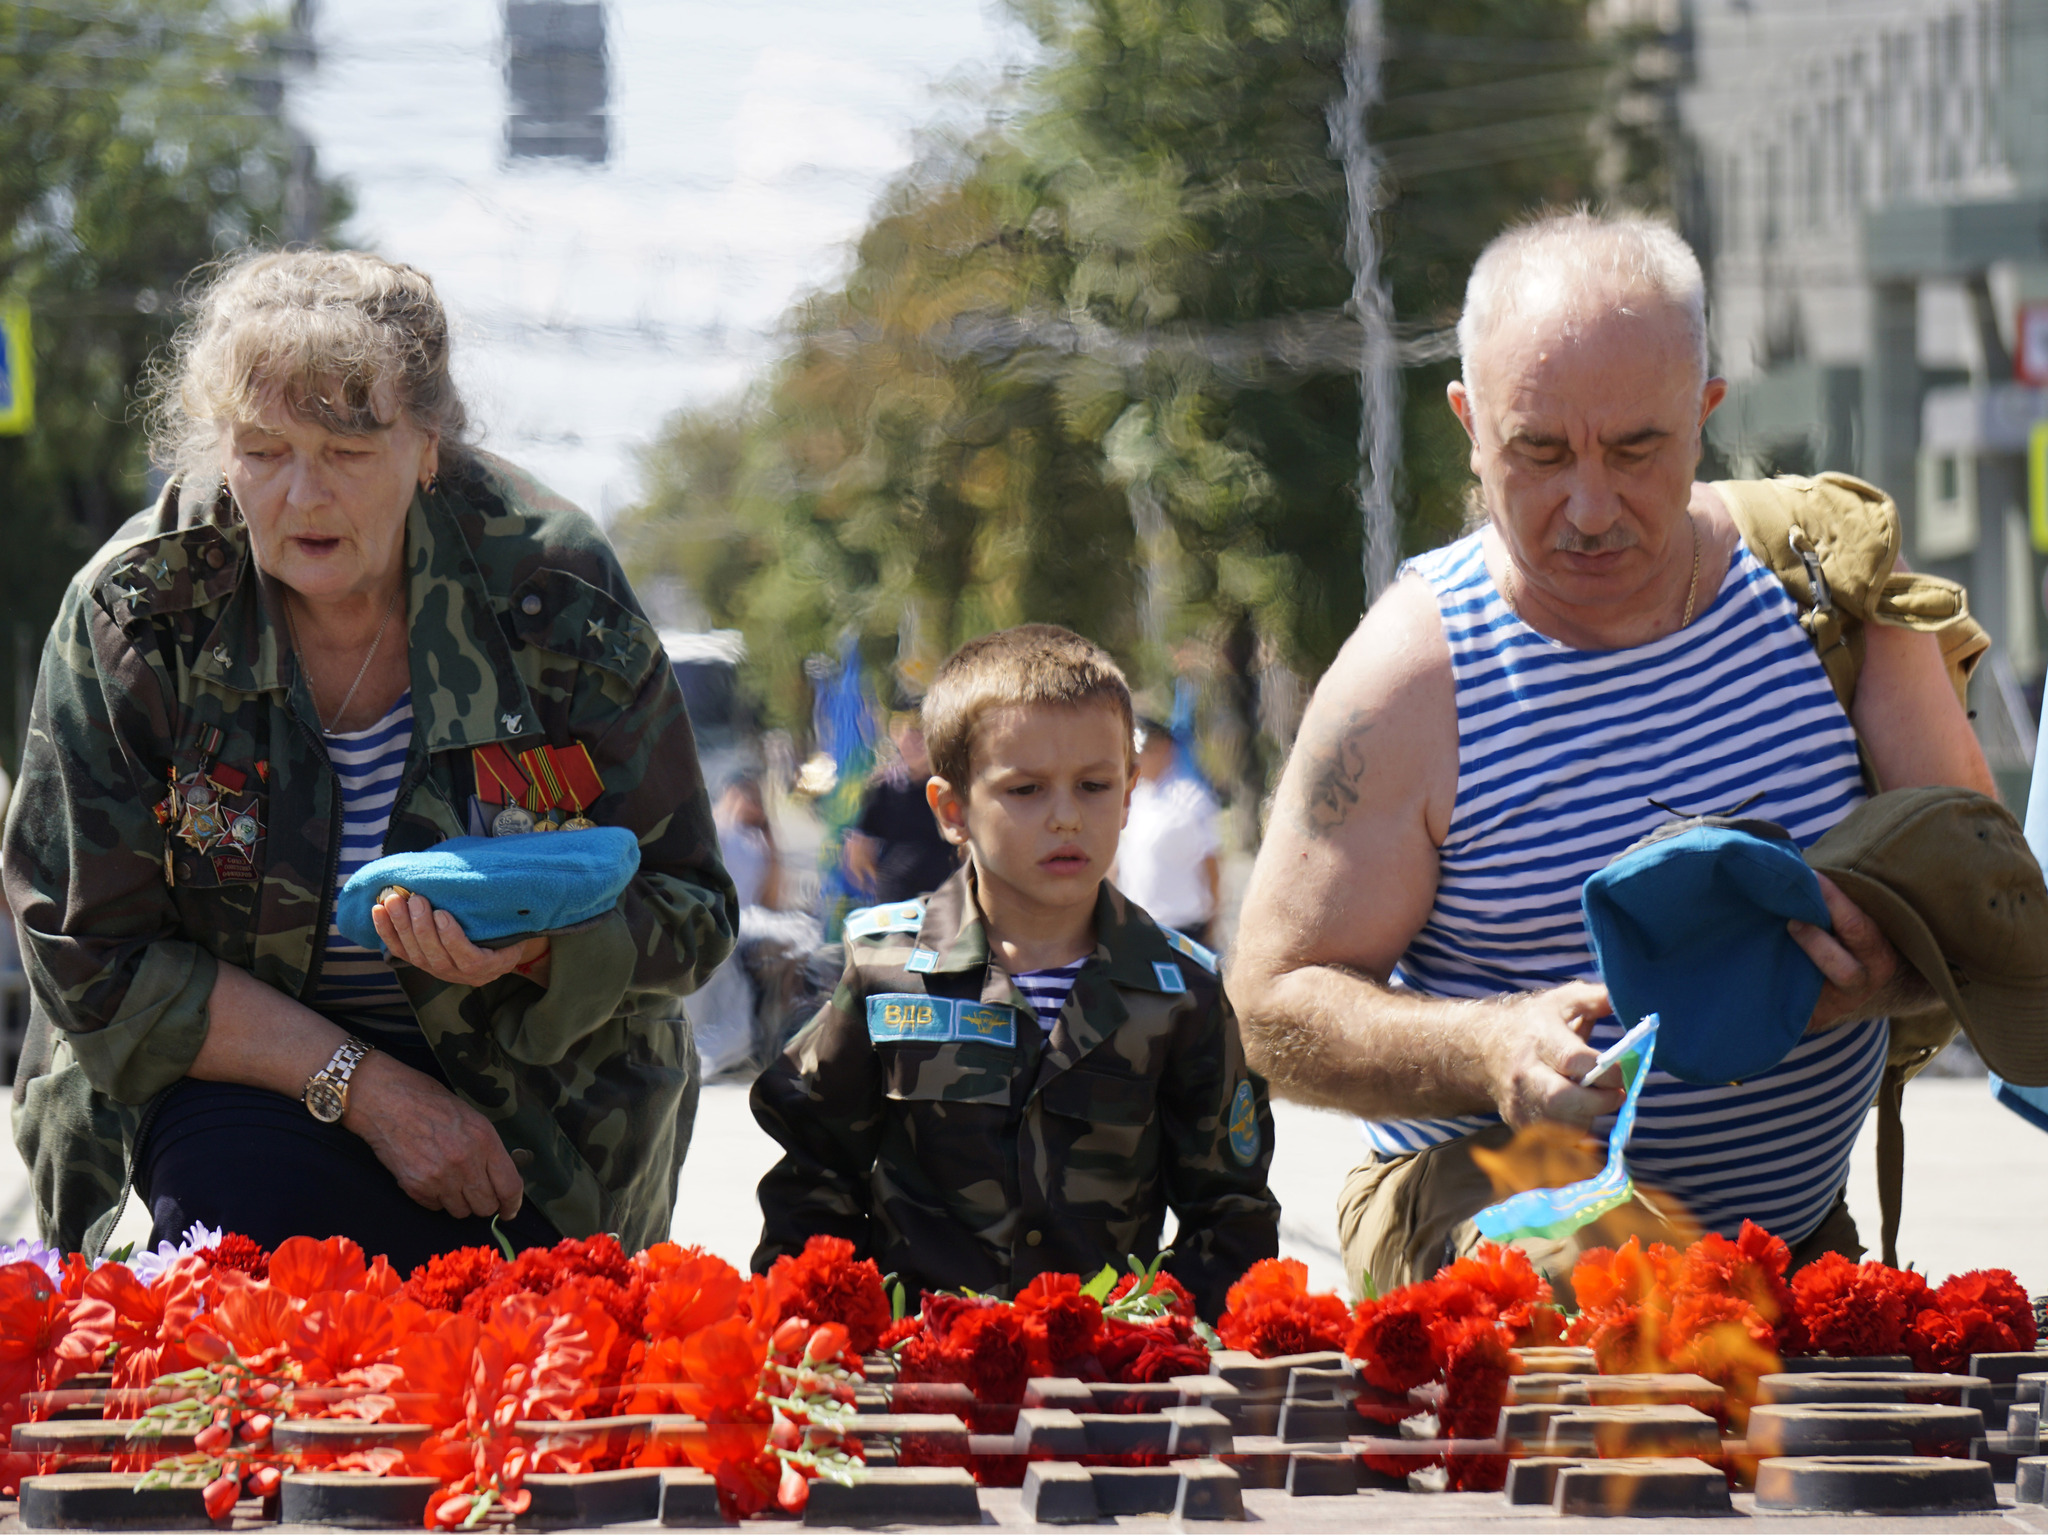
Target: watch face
325	1101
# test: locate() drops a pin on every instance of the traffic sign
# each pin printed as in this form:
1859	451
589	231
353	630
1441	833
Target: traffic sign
2030	353
17	369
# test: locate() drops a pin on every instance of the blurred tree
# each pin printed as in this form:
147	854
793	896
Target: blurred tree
1092	367
138	139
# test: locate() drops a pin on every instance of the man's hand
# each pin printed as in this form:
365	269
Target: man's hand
443	1153
1865	978
1537	1052
433	941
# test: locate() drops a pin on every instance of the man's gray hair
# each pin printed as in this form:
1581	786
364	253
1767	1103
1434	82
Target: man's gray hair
1559	260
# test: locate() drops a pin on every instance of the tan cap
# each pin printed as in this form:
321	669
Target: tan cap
1948	876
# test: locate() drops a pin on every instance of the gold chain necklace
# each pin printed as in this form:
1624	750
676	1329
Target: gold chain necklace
1507	586
362	672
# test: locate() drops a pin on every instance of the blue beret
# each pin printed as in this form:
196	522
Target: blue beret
1689	924
499	887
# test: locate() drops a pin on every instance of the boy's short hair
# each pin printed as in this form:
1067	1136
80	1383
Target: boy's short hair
1029	664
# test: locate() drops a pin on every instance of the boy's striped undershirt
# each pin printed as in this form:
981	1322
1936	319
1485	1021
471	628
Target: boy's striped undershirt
1048	990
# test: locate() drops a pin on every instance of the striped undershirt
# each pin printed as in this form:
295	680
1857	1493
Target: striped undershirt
1048	989
354	981
1560	752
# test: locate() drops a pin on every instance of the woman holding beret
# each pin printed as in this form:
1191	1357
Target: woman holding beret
342	632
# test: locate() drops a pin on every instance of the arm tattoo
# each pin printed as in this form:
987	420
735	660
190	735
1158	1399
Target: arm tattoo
1334	774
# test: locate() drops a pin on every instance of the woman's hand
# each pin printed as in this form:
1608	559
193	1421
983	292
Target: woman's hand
1863	976
432	941
443	1153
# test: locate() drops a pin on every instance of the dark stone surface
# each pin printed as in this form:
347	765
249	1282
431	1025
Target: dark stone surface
897	1496
690	1498
1676	1485
354	1501
1319	1474
345	1435
1136	1490
1873	1484
2030	1480
1835	1363
2004	1368
566	1499
108	1501
1631	1430
1198	1432
1524	1425
1868	1387
1209	1490
1866	1429
1533	1479
82	1437
1059	1493
1302	1422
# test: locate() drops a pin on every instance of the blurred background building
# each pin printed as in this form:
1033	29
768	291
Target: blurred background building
1867	182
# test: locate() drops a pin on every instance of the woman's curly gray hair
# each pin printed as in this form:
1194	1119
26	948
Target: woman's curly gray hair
336	334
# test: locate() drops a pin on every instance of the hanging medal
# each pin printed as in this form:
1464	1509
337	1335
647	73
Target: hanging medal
501	791
567	781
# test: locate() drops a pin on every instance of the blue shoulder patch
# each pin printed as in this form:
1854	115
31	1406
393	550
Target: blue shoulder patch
1244	1125
1168	975
1200	954
896	917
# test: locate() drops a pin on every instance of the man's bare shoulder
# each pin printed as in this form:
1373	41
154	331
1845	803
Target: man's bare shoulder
1386	710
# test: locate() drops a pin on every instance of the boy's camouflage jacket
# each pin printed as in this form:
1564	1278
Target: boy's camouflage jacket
924	1115
523	631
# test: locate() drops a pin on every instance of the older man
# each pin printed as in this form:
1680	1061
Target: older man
1412	948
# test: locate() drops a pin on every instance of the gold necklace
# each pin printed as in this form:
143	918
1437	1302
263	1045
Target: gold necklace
1507	585
362	672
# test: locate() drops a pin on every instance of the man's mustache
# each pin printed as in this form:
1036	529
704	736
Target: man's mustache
1572	542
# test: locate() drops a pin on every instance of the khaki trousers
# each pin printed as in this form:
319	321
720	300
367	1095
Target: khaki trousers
1401	1219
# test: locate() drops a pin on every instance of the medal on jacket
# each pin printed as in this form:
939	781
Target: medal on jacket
210	812
539	791
565	780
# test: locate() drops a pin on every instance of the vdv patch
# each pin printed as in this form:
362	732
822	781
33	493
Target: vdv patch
1169	976
909	1016
922	961
994	1022
1244	1125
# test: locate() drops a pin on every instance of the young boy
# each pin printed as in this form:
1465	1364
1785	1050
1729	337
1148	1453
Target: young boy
1020	1072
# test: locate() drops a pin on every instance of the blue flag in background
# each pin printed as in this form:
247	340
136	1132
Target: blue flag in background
844	721
2030	1104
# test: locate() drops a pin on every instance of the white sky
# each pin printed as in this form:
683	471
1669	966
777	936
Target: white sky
749	142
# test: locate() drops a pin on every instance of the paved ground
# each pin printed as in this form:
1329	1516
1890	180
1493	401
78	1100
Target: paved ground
1975	1181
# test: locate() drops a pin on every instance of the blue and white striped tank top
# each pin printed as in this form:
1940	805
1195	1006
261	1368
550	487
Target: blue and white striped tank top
1560	752
356	984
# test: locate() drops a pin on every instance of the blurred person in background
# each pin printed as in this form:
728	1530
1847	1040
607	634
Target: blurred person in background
1168	860
343	632
746	842
896	851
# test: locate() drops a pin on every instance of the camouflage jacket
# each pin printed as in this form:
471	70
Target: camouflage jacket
166	651
924	1115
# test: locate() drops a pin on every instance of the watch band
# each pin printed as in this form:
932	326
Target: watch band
326	1094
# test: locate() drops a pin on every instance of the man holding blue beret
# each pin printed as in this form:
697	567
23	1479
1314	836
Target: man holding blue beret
1525	704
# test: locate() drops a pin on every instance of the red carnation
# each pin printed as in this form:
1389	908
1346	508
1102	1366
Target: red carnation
1982	1312
1856	1309
1996	1292
825	1284
994	1356
446	1280
1476	1371
1061	1324
240	1253
1151	1351
1271	1312
1391	1338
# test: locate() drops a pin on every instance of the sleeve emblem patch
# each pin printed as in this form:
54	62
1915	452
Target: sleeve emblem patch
1244	1125
994	1022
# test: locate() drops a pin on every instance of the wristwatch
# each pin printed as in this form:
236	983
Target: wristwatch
327	1090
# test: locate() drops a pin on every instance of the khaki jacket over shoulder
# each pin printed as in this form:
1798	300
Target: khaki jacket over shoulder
166	654
924	1115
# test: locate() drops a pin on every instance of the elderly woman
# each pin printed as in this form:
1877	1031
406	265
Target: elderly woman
343	632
